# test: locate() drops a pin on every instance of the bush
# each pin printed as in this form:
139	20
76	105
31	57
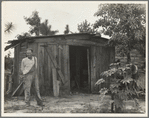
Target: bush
124	84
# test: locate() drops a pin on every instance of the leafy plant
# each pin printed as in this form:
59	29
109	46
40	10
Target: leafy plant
123	86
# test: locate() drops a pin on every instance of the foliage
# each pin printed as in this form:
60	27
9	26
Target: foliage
86	27
37	27
9	27
8	62
23	35
123	86
34	22
125	24
45	29
66	29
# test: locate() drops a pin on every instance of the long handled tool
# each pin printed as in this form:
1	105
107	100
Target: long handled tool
17	89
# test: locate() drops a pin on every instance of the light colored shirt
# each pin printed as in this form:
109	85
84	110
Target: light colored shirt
27	64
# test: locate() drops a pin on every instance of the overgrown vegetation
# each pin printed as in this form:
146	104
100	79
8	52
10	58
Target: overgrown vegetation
124	85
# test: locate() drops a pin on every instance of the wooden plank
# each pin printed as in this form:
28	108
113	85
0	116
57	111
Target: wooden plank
98	64
50	70
55	83
83	43
68	68
59	58
55	56
62	37
78	66
16	65
45	67
72	42
93	69
49	40
89	73
55	64
41	67
66	87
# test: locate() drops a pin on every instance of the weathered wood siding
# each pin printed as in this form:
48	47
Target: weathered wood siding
101	57
93	69
16	66
108	57
45	68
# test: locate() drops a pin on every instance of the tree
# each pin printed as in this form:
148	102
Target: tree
37	27
45	29
23	35
86	27
125	24
66	29
9	27
34	22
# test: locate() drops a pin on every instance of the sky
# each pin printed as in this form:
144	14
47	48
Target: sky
59	14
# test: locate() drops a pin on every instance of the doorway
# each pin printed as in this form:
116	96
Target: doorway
79	69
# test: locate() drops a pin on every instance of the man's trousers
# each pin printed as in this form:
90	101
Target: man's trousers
31	81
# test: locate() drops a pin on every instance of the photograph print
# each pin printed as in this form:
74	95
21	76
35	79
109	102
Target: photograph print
74	58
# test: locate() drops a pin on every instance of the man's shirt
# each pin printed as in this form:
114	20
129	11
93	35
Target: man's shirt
27	64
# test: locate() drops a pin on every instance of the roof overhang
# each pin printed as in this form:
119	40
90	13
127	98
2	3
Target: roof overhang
79	36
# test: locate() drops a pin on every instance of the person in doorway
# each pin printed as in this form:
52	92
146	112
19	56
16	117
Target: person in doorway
29	71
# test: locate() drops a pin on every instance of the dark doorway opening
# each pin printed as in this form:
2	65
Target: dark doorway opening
79	69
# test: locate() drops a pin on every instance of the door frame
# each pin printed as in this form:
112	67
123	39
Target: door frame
88	49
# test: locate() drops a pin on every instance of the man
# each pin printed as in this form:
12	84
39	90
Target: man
29	71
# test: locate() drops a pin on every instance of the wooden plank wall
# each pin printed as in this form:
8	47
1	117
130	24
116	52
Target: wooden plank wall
45	68
19	54
101	57
93	69
41	64
65	69
16	67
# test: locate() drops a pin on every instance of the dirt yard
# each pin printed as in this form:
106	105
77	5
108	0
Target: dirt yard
79	103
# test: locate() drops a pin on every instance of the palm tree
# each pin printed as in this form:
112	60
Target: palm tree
9	27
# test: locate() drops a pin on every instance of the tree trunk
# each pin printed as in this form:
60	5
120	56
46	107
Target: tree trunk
128	58
112	104
117	109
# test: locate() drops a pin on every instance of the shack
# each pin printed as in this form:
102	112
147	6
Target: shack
68	63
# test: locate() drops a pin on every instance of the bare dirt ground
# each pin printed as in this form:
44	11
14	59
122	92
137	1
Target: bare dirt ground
80	103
